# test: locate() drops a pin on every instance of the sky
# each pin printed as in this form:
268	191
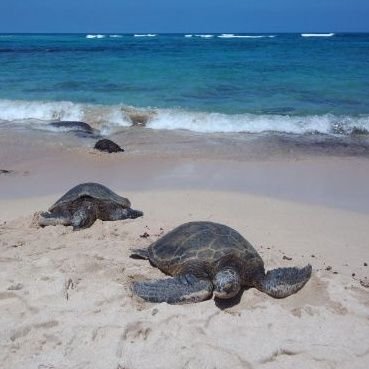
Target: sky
165	16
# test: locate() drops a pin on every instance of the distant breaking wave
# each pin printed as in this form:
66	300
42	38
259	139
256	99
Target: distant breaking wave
204	36
95	36
145	35
231	35
317	34
37	114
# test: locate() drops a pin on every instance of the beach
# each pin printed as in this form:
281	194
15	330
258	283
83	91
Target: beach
267	133
65	296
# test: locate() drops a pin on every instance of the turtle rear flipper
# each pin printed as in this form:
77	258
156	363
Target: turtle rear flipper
177	290
283	282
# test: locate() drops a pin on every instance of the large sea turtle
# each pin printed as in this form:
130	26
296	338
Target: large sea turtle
85	203
206	258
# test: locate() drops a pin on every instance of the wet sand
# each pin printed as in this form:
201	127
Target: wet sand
65	297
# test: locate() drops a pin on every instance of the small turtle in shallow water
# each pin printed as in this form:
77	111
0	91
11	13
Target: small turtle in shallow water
85	203
206	258
107	146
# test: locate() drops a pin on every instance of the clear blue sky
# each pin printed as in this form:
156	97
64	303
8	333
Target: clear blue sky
184	16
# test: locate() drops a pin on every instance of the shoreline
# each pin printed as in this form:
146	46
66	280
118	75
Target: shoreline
44	164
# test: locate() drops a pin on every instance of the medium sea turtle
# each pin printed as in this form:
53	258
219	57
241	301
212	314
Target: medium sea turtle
85	203
206	257
80	129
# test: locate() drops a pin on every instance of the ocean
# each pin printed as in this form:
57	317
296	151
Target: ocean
290	83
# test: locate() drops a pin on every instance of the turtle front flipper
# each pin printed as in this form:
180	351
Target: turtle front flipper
46	219
283	282
178	290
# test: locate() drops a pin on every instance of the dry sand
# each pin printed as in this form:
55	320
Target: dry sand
64	296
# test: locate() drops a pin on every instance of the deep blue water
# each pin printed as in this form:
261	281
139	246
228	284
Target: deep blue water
251	84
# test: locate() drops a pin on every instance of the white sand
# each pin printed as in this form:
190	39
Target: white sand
65	299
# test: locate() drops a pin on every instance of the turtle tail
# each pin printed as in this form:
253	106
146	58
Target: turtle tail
283	282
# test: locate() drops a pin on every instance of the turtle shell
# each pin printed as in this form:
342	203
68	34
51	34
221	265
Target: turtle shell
93	190
207	244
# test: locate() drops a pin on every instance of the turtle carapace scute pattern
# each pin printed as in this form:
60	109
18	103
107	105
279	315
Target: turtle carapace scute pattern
206	258
86	202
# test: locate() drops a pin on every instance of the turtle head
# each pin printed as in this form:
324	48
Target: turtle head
133	214
125	213
227	284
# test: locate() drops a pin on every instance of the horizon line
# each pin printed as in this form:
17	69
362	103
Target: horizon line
176	33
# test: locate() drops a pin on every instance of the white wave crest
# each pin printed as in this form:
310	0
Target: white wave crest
95	36
108	118
254	123
188	36
115	36
317	34
231	35
145	35
43	111
13	110
205	36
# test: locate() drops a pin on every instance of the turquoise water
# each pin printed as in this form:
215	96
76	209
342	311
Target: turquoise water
282	82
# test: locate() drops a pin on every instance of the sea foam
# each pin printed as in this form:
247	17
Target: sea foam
25	112
317	34
107	117
205	36
145	35
95	36
251	123
231	35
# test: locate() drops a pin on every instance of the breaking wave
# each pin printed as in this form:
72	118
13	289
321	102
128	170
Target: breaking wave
145	35
111	117
231	35
317	34
95	36
205	36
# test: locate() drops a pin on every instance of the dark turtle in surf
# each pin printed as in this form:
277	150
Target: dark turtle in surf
205	258
80	129
85	203
107	146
